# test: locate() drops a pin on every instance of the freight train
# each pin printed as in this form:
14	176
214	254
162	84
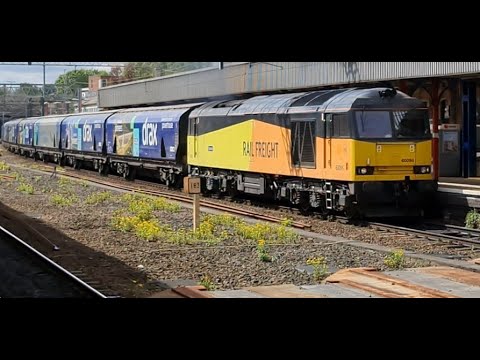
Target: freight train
364	152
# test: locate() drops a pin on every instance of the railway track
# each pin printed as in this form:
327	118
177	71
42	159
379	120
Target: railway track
145	188
459	237
450	235
25	272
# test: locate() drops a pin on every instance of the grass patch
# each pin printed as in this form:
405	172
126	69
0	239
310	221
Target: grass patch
98	197
25	188
138	218
63	200
4	166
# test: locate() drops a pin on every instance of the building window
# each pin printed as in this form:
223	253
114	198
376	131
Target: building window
444	112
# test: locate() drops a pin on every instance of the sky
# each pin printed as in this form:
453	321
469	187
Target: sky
34	73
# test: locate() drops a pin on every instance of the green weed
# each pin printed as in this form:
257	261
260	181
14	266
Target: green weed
262	252
98	197
320	268
4	166
395	260
207	282
472	220
25	188
62	200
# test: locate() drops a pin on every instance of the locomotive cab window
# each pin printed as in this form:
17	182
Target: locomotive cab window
303	142
395	124
193	126
373	124
411	123
340	126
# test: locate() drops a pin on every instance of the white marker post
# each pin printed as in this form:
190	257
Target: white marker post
191	185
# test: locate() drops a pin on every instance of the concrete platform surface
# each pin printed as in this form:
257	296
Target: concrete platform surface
429	282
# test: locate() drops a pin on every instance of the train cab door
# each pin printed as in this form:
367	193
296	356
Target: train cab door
327	150
195	136
192	142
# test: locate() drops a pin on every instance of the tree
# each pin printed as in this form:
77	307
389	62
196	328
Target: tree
69	83
28	90
50	91
145	70
139	70
116	73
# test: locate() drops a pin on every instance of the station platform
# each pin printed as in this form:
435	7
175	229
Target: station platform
459	192
427	282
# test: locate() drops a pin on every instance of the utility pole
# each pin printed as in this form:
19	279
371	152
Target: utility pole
4	103
43	91
79	100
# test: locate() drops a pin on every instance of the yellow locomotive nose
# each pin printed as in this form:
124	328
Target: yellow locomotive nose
396	154
393	161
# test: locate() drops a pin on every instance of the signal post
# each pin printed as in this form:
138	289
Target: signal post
191	185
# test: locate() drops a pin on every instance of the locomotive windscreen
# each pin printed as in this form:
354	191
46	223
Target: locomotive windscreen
392	124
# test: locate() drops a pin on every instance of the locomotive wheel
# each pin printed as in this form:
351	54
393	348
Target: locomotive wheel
304	203
304	208
324	214
352	213
232	192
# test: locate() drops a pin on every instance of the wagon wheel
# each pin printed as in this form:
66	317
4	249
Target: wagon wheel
102	169
77	164
129	173
126	172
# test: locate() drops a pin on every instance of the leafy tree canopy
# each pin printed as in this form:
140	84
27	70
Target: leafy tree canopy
145	70
69	82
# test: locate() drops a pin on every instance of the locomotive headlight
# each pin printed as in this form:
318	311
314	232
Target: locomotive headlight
364	170
422	170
